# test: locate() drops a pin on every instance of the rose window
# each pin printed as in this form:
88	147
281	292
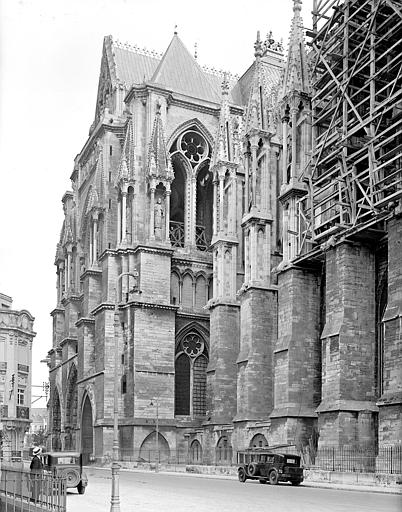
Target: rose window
193	146
193	345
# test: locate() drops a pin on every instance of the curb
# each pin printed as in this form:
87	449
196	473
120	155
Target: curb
306	483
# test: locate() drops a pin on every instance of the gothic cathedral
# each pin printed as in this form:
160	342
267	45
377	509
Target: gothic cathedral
214	260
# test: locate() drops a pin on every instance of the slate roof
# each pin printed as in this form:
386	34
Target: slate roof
179	71
176	69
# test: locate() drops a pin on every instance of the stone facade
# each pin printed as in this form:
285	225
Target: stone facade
181	276
16	337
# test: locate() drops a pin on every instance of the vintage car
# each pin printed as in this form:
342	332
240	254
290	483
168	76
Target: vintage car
266	466
68	464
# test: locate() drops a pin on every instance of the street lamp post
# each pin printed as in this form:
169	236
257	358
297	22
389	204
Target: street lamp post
115	467
157	436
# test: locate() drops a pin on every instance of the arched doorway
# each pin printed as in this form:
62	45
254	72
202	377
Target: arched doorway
86	431
259	441
195	452
148	450
223	451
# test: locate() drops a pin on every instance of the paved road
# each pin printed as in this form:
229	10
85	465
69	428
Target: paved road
162	492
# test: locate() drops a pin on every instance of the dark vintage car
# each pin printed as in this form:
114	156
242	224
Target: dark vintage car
68	464
266	466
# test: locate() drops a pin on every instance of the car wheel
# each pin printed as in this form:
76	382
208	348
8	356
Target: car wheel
81	488
273	477
253	469
296	482
241	474
72	477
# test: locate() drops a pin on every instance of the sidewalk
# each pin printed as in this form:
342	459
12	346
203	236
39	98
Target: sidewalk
231	473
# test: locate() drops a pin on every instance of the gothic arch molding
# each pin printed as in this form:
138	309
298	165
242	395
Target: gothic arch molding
188	125
191	327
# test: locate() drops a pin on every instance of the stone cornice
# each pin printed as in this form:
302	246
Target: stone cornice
20	330
295	189
65	340
103	306
84	320
256	216
190	262
347	405
91	272
294	412
192	315
148	305
166	251
174	98
56	310
222	239
70	298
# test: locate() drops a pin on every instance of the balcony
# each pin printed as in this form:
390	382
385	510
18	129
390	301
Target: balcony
176	235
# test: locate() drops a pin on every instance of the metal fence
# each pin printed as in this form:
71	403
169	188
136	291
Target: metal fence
23	492
386	459
222	457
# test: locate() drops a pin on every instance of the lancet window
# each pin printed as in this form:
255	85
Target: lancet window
190	375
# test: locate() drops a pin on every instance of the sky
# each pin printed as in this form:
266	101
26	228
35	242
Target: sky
50	55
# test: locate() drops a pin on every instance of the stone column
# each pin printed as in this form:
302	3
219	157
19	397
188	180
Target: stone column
152	215
254	147
246	181
167	213
94	238
293	169
124	216
221	194
285	121
118	221
215	212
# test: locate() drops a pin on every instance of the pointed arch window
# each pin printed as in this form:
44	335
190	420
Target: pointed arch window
190	376
191	202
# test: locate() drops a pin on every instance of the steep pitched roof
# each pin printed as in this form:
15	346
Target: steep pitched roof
178	70
296	71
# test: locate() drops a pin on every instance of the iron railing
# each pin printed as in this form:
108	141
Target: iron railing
386	459
21	490
176	235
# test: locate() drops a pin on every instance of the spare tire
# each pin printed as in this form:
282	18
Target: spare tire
253	469
72	477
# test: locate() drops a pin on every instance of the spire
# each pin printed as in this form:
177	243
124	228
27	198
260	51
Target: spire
222	151
258	46
296	70
159	164
126	165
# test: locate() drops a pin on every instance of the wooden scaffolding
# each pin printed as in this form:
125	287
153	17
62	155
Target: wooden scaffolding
354	177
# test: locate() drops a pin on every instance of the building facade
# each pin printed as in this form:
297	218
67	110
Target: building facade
233	244
16	337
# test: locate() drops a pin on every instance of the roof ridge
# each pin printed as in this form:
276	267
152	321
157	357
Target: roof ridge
136	49
220	72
